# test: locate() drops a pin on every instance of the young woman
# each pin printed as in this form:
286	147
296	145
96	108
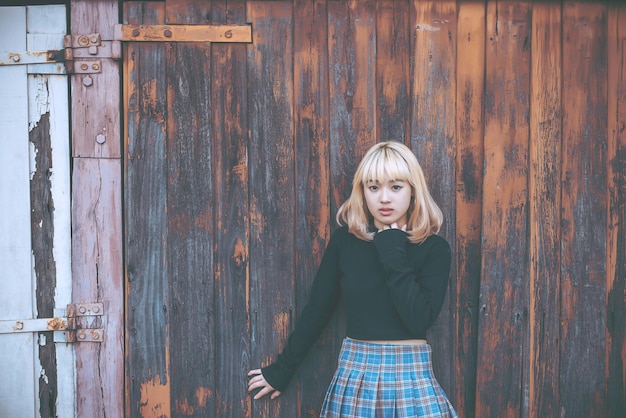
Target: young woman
390	270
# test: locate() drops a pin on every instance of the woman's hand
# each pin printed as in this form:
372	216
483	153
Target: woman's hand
393	226
257	381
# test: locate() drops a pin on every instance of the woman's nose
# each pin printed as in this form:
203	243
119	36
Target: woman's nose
384	195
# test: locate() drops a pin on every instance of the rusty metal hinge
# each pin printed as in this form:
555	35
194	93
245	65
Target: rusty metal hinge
86	52
82	54
183	33
82	322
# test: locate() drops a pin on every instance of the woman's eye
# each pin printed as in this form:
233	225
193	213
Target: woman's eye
373	188
396	187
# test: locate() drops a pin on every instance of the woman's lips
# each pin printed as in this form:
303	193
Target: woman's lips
385	212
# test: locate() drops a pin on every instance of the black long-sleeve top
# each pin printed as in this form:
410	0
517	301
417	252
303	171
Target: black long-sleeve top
391	289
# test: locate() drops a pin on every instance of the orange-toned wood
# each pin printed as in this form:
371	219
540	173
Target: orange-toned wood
148	298
232	213
546	136
434	24
313	220
503	320
393	35
271	191
468	199
616	218
183	33
351	35
191	181
582	373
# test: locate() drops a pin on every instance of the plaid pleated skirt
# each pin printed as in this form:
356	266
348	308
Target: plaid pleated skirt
385	380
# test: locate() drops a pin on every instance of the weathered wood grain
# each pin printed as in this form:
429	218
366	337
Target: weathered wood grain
351	35
313	217
145	190
503	321
582	371
190	223
272	191
95	105
616	216
433	98
287	120
96	267
97	270
232	234
17	293
393	85
470	70
42	236
546	136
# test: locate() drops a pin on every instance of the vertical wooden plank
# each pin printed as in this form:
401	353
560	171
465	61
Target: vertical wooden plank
433	116
97	271
190	228
470	75
230	156
503	322
313	217
148	296
616	221
190	222
545	208
96	259
185	12
95	107
352	37
272	190
18	392
50	203
584	202
393	86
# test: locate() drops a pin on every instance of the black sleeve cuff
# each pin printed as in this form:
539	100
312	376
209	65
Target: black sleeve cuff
278	377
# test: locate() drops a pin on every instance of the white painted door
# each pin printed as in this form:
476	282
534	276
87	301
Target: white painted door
36	373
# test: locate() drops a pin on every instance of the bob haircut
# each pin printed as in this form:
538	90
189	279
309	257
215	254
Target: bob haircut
386	161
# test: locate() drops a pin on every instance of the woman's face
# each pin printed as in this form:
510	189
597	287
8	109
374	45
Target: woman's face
388	202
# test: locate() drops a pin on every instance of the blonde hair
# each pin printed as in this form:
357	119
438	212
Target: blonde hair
391	160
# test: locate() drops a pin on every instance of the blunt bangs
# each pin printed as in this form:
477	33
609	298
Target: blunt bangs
385	165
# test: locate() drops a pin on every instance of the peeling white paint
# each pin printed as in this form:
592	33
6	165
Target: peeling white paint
33	159
39	99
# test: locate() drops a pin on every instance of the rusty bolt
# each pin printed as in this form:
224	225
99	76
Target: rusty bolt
228	34
96	67
167	33
100	139
135	32
16	58
81	336
84	66
82	309
87	81
96	309
95	335
83	40
94	40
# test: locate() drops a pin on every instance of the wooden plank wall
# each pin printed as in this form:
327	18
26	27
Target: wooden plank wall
37	370
97	266
238	156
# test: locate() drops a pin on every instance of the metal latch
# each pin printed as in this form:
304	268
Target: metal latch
82	54
85	53
183	33
81	323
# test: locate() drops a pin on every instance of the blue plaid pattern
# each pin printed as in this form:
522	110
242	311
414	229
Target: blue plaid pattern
385	380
